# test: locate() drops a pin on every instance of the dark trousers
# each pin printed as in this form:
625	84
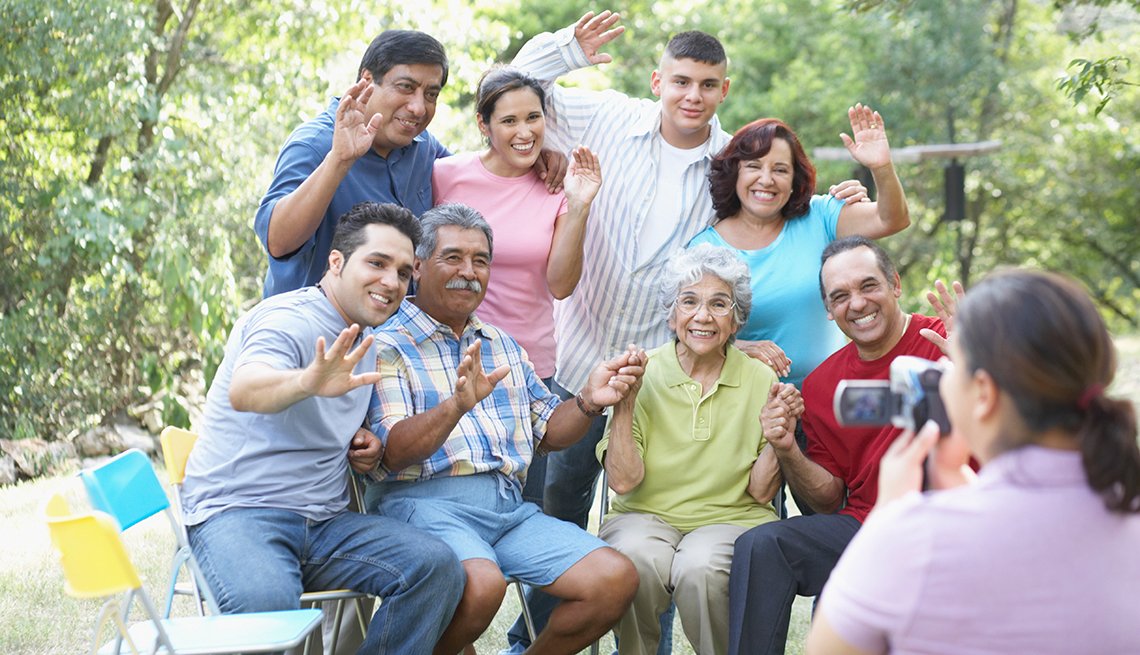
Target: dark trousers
771	565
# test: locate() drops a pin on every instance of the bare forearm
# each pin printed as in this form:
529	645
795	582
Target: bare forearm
297	216
417	437
624	467
567	424
262	389
815	484
764	479
564	268
893	211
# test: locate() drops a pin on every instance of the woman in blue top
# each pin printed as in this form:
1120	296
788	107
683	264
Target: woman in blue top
762	186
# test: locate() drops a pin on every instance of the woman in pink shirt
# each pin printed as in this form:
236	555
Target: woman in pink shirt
1039	554
538	235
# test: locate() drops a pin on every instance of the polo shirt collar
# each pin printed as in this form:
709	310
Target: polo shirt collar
674	375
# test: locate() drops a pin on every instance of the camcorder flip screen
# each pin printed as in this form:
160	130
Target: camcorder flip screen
864	402
906	401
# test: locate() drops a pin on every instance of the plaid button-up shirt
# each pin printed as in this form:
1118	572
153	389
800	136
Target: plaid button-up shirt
417	358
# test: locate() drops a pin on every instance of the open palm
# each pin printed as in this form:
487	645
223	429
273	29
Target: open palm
868	144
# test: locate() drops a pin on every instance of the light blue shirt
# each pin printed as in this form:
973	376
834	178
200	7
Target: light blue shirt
786	306
297	459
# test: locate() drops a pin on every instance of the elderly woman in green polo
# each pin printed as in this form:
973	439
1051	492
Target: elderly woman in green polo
687	456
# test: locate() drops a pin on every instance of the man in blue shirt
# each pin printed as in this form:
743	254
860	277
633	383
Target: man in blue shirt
370	144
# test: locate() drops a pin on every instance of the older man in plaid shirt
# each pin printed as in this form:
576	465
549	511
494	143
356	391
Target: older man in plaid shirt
461	414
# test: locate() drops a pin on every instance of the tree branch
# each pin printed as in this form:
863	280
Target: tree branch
99	160
174	53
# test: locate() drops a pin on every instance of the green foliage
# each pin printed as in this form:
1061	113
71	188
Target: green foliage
135	153
1105	76
127	146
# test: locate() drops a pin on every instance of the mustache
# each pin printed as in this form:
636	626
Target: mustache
465	285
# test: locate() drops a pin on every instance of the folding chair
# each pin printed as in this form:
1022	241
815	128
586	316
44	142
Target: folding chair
127	489
177	445
96	565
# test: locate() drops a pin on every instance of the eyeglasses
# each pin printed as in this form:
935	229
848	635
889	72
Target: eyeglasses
715	306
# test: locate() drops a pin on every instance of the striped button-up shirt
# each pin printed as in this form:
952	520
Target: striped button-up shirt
417	358
616	300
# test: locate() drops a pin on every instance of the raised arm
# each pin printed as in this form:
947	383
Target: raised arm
777	419
415	438
260	388
609	383
549	56
564	265
815	484
297	215
868	145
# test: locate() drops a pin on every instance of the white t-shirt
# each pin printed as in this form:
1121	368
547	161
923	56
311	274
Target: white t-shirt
658	225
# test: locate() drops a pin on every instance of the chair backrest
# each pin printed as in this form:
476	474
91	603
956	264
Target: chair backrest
176	446
95	562
126	488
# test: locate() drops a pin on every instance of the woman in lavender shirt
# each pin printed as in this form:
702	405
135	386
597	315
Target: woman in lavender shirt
1040	554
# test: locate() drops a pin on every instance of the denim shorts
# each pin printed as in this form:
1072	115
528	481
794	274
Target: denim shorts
484	516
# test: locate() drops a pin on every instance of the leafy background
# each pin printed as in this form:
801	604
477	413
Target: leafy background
136	138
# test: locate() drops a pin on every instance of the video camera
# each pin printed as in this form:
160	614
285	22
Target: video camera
907	400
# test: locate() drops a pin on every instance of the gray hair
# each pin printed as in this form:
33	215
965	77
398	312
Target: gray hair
453	213
687	267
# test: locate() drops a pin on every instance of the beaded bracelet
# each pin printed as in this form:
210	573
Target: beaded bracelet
581	402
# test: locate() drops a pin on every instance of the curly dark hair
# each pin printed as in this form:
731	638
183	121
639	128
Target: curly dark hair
753	141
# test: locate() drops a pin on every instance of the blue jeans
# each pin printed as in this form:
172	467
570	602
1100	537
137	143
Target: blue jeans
261	559
571	478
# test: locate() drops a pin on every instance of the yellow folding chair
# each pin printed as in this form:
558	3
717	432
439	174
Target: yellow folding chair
177	444
96	565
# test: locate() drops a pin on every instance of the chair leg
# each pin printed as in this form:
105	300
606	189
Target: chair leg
525	611
361	620
112	611
307	649
338	616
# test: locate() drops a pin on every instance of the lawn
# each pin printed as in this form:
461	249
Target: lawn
36	618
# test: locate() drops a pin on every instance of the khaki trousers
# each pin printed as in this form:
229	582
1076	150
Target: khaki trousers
691	569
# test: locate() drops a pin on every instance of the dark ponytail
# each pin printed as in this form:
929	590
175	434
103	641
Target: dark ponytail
1042	340
1111	456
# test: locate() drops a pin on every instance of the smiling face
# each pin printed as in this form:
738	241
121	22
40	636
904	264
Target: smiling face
453	280
863	302
690	93
515	132
367	287
700	332
405	99
764	185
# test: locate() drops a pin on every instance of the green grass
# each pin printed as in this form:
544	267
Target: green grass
37	618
